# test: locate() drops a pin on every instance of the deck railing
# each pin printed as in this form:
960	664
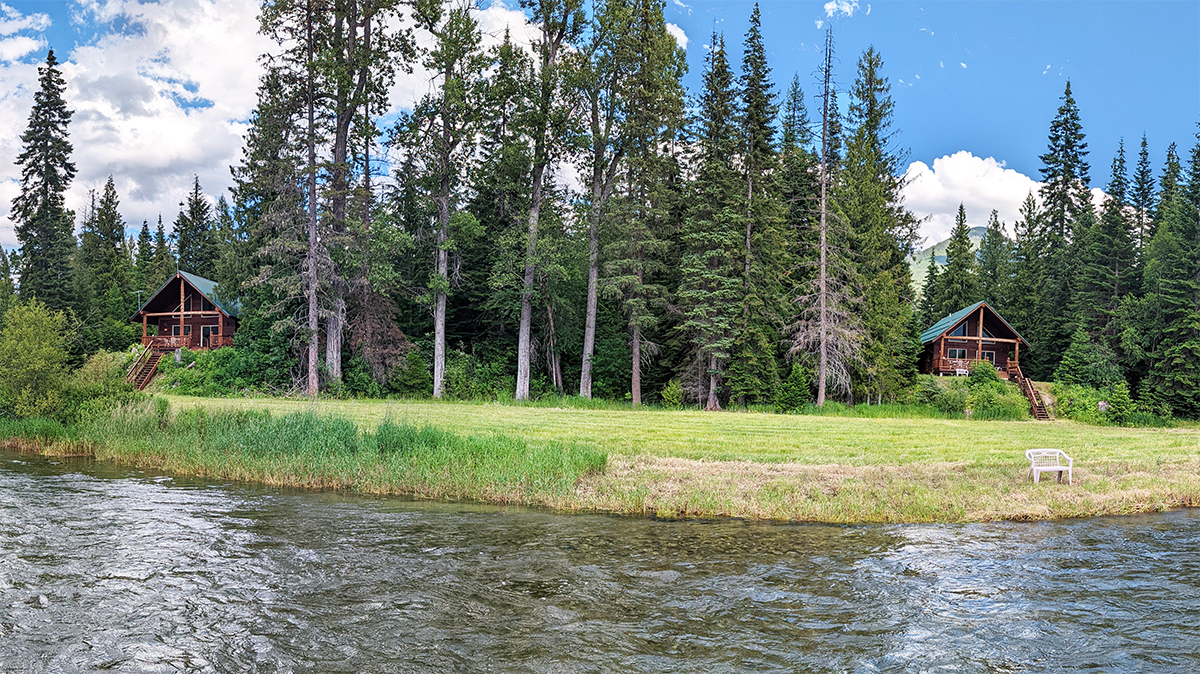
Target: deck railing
956	364
191	342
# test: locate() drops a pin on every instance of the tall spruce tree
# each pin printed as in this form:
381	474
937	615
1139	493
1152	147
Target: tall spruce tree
711	283
194	237
995	264
1065	214
959	286
1141	197
1108	257
104	261
44	226
143	259
929	309
767	248
636	250
883	232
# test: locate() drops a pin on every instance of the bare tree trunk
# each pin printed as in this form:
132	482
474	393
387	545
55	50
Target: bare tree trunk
443	272
554	361
714	404
635	383
524	334
589	327
822	291
311	262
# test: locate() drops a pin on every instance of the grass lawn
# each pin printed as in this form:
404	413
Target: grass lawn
814	468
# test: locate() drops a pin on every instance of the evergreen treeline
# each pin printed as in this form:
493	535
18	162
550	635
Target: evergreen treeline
731	247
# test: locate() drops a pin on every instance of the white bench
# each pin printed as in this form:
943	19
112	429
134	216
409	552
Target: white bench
1049	461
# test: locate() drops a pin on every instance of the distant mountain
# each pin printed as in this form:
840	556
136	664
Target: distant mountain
919	261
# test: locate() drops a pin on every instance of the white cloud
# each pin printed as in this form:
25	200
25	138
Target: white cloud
941	64
868	10
962	64
926	30
819	23
676	32
13	21
980	184
835	7
1047	69
13	48
680	5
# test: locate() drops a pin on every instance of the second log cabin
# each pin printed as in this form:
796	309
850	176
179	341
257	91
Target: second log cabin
187	313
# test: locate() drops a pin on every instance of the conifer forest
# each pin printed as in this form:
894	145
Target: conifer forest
565	218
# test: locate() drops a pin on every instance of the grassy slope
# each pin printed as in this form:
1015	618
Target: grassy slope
821	468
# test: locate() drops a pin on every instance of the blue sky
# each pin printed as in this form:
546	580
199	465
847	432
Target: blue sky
987	77
162	89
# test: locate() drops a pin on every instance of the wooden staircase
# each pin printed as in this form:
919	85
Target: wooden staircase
143	369
1036	406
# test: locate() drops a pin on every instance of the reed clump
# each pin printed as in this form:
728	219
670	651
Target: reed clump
311	450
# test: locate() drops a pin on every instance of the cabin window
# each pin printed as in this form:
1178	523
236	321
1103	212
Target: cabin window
187	330
990	356
205	305
986	333
960	331
956	353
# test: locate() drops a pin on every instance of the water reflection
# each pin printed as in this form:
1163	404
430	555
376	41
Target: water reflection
103	568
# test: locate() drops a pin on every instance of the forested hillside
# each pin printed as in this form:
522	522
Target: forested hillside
564	217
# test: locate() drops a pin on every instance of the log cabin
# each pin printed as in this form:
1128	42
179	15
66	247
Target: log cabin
186	312
969	335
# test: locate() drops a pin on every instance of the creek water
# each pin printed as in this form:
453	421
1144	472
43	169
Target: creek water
104	568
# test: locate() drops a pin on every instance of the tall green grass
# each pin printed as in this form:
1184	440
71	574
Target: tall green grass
311	450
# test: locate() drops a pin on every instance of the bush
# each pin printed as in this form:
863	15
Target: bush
997	401
796	391
1088	363
97	387
672	395
412	379
1110	406
33	360
982	372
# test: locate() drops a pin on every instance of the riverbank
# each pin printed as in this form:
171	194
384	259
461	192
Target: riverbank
663	463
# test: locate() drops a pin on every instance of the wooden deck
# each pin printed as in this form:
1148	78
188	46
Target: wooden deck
189	342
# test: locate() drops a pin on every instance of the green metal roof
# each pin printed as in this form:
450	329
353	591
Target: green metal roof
206	287
953	319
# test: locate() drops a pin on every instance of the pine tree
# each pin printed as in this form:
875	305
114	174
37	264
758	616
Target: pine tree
930	307
959	287
1168	189
1025	287
1141	197
163	263
636	250
1108	256
883	231
44	227
194	237
8	289
108	273
767	248
143	260
711	284
1066	213
995	265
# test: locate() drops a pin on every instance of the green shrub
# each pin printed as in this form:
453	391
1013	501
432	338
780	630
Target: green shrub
672	395
795	391
33	360
1088	363
953	398
997	400
982	373
1110	406
412	379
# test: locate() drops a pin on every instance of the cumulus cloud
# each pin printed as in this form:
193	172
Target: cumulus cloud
687	8
676	32
819	23
836	7
14	21
981	184
17	47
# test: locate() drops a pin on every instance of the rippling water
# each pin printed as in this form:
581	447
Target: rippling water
104	568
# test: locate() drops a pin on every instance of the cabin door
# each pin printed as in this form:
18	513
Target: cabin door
206	332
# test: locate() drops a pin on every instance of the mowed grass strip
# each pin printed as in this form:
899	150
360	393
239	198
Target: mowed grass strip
762	438
821	469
